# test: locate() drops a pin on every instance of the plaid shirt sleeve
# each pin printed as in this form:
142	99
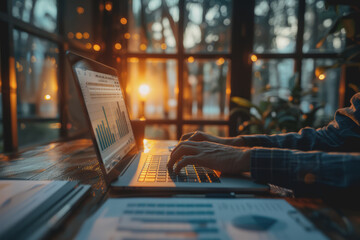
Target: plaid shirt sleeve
297	169
342	134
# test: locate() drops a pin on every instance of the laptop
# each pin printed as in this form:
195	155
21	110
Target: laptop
122	164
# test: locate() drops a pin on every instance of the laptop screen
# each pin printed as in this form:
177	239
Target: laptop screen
108	115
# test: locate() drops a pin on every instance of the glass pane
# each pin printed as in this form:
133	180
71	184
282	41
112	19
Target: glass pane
319	19
207	26
275	26
323	88
41	13
79	23
159	80
160	132
272	78
153	26
206	89
77	123
217	130
32	133
37	88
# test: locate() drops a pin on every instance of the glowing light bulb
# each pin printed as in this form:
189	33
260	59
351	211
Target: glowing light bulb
144	90
96	47
123	21
254	58
118	46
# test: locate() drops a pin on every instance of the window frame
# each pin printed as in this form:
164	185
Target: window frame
237	55
298	56
9	23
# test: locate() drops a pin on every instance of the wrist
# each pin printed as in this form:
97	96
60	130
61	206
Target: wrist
236	141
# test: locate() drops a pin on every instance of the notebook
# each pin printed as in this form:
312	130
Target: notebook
123	166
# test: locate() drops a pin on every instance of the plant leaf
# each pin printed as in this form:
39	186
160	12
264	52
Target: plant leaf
242	102
354	87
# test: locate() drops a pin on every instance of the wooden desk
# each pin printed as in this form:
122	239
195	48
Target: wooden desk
76	160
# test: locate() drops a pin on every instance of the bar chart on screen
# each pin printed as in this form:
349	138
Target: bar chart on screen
108	115
107	134
110	125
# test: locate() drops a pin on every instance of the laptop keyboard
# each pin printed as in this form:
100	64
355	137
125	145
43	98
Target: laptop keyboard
155	170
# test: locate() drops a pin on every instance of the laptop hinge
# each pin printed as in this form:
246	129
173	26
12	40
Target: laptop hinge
129	163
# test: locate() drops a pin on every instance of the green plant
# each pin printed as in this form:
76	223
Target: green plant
350	56
273	115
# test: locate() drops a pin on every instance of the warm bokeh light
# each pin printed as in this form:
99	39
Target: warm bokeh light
322	76
144	90
133	60
108	6
117	46
80	10
127	35
143	47
33	59
47	97
88	45
86	35
191	59
79	35
123	21
220	61
254	58
97	47
163	46
70	35
136	36
146	146
19	67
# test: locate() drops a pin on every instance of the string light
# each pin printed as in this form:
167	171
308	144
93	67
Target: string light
118	46
123	21
143	47
79	35
322	76
86	35
190	59
220	61
97	47
108	6
127	35
80	10
254	58
70	35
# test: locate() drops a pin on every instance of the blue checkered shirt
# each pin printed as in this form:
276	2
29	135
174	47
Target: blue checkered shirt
325	157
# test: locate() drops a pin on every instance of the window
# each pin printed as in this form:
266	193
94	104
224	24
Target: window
36	62
41	13
286	34
39	101
181	50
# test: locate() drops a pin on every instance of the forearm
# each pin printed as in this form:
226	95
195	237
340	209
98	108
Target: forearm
340	135
294	169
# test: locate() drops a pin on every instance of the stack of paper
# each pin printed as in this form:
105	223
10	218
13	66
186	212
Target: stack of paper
32	208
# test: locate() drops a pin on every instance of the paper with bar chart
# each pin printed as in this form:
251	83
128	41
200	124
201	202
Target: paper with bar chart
109	118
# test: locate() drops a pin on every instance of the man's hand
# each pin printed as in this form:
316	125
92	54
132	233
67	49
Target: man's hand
226	159
199	136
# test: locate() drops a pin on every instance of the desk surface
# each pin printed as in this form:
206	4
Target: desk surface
76	160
